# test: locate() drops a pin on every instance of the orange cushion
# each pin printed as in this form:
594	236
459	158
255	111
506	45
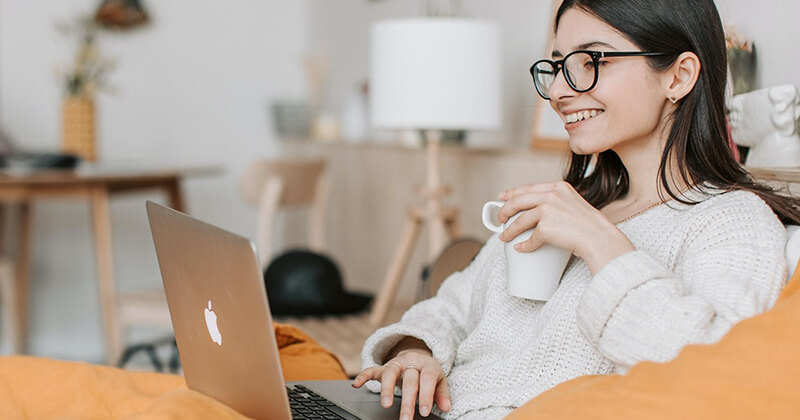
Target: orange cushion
302	359
752	373
39	388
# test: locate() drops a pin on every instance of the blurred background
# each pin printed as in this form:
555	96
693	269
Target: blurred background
215	86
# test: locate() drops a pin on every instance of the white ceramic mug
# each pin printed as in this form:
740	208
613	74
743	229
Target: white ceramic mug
531	275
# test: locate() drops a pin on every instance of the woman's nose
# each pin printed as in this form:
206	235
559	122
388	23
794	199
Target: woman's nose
560	89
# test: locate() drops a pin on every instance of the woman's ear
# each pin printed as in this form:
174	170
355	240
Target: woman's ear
682	76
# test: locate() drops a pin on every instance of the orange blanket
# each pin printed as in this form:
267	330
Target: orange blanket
37	388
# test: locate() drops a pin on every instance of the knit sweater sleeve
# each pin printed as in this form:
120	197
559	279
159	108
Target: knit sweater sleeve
731	268
442	321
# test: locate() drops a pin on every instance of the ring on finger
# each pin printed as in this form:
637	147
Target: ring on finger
398	364
415	367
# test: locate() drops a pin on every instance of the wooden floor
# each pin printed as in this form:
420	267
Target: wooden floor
343	336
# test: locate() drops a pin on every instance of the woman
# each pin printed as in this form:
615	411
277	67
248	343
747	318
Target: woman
673	242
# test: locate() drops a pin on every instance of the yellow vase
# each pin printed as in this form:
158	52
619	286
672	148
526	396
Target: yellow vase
79	136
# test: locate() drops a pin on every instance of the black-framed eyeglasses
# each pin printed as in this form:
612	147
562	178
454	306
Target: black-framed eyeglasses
579	69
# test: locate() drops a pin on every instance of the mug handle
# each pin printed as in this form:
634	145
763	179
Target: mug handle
486	216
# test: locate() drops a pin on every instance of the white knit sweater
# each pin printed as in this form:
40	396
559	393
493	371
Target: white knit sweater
696	272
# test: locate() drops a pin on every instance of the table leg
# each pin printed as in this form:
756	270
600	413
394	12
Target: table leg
101	219
22	271
8	294
176	195
3	224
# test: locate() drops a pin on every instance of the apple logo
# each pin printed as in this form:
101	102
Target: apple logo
211	324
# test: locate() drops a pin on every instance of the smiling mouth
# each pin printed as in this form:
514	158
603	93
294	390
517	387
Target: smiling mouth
579	116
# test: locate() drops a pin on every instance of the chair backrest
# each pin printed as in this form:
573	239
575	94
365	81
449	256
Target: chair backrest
455	257
275	184
300	180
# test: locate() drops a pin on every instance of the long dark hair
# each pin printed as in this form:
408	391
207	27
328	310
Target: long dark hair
698	138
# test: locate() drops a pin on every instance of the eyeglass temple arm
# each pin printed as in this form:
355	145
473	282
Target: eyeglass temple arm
628	53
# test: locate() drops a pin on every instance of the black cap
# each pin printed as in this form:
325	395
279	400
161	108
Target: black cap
302	282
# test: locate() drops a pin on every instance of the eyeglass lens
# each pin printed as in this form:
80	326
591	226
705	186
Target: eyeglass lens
579	70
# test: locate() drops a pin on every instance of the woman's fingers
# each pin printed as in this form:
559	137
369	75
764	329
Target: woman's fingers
389	377
442	395
525	221
520	203
367	374
542	187
427	386
531	244
410	391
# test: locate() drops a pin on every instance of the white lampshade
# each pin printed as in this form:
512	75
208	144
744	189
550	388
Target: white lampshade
435	73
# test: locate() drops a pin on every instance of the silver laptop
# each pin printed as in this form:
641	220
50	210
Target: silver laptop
223	327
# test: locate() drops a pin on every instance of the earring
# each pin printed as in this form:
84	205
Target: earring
673	100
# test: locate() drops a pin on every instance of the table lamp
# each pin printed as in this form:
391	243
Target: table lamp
431	74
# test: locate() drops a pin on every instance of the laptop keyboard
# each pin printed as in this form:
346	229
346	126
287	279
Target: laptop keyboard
307	404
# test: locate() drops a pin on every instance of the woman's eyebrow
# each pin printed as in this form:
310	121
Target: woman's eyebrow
585	46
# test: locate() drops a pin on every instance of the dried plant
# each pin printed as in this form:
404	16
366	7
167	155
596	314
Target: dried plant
735	40
89	71
742	60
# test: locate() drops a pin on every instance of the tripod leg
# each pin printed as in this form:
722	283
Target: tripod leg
395	273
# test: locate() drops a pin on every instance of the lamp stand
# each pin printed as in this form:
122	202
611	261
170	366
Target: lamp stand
442	222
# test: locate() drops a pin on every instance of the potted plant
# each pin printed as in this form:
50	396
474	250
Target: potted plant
81	81
741	60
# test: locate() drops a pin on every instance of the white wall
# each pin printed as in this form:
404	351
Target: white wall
193	87
773	27
340	29
340	33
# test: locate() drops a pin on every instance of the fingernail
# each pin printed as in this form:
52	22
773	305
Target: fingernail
424	410
405	417
518	247
385	401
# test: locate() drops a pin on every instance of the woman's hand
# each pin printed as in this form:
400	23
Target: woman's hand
563	218
418	374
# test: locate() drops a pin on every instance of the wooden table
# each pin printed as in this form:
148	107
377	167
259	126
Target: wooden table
97	183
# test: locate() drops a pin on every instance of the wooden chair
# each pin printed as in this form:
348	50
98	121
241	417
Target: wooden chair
456	256
274	184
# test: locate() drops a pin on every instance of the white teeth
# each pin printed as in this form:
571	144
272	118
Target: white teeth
581	115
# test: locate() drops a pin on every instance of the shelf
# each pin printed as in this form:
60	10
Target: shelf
481	149
776	174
